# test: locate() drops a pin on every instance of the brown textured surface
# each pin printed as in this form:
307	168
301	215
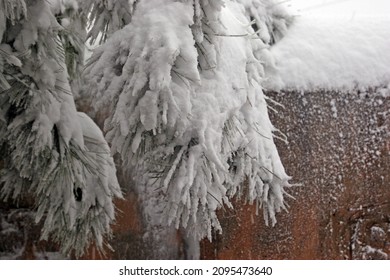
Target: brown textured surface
342	159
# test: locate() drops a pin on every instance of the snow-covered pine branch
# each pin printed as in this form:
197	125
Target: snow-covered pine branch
49	151
73	35
105	17
188	116
269	18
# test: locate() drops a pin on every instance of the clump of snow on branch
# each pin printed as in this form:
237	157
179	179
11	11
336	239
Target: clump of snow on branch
49	151
106	17
189	117
270	19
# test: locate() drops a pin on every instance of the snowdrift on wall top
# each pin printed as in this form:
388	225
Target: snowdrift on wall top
332	53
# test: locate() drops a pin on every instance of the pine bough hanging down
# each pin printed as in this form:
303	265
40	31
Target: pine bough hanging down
49	150
188	114
105	17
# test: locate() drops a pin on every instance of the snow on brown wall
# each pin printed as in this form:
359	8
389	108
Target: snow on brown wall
339	151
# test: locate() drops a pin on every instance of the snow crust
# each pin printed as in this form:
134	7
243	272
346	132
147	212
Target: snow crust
332	53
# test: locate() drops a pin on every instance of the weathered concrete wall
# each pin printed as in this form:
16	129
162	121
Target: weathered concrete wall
339	150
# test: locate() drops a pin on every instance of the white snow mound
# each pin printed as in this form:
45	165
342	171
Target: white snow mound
333	54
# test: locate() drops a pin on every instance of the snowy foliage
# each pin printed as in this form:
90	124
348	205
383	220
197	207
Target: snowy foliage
106	16
50	151
270	18
188	116
73	36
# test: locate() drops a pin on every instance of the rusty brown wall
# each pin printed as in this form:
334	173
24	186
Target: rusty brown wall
339	151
